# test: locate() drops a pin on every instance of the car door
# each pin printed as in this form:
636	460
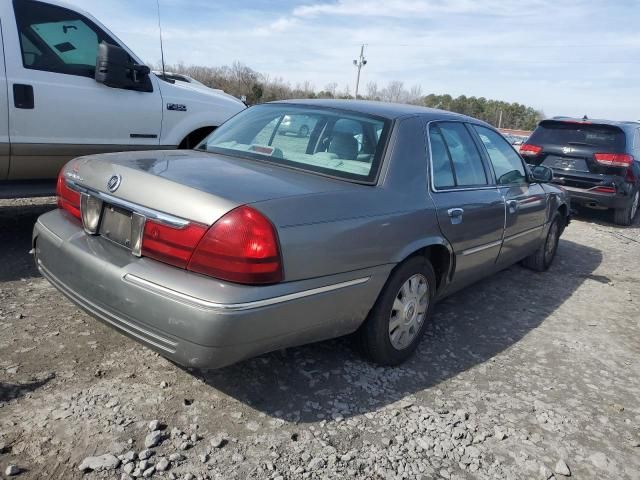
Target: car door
526	201
5	147
470	209
56	108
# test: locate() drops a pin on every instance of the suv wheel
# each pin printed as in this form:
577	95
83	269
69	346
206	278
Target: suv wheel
541	260
397	321
625	216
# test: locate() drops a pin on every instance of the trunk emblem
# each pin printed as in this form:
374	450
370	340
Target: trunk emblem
114	183
566	150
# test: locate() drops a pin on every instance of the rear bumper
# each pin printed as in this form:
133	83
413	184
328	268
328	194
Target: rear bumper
580	196
194	320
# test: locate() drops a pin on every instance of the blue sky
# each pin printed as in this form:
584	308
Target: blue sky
565	57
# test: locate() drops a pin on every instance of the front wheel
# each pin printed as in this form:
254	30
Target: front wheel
541	260
397	321
625	216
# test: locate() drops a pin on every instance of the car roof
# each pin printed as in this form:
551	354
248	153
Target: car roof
384	109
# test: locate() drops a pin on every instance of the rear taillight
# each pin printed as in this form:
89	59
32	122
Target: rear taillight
169	244
241	247
614	159
68	199
605	189
530	150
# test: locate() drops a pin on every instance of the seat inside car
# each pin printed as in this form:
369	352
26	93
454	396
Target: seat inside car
344	146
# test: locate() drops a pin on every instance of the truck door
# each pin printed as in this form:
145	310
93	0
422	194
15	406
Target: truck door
526	202
469	206
4	121
57	110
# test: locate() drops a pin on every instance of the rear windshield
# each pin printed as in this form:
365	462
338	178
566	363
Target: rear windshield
328	141
606	137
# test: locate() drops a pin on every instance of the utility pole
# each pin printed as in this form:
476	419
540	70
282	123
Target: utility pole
359	63
500	120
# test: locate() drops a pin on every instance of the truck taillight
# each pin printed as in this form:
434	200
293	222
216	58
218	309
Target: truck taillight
530	150
68	199
614	159
241	247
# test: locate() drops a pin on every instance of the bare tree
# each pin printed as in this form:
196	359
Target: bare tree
331	88
394	91
372	91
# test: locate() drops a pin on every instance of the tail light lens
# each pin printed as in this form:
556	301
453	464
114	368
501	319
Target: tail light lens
605	189
170	244
241	247
68	199
530	150
614	159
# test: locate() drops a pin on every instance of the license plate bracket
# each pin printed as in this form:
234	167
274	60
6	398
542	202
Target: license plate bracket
115	225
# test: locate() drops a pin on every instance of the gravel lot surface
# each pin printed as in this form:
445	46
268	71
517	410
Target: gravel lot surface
522	376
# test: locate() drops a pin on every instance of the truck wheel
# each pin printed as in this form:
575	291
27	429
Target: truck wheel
541	260
397	321
625	216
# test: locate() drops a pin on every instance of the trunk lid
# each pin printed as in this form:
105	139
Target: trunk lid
192	185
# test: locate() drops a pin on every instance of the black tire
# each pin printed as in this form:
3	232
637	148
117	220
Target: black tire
374	337
304	131
542	259
625	216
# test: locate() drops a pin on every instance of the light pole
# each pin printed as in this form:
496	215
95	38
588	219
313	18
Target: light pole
359	63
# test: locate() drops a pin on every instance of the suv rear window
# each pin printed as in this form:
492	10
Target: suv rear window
603	137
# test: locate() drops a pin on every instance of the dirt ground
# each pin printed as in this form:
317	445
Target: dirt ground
519	376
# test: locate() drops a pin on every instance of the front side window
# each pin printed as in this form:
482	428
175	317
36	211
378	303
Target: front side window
328	141
506	162
452	144
56	39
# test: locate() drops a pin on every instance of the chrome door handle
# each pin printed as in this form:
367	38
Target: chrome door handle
456	215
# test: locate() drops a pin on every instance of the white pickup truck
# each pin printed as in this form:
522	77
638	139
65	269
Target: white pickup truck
70	87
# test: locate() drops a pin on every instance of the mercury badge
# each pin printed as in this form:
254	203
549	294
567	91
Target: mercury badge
114	183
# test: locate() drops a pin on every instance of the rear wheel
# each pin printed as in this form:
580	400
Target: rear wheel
625	216
397	321
541	260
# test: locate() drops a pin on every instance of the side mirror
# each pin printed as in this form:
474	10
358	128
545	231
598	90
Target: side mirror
115	69
540	173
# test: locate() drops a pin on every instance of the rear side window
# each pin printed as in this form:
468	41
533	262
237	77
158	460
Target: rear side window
56	39
607	138
506	162
451	143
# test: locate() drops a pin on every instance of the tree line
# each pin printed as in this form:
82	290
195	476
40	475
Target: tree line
240	80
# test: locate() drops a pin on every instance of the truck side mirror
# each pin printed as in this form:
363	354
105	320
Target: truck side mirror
540	173
115	69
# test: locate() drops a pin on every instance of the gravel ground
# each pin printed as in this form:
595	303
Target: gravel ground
522	376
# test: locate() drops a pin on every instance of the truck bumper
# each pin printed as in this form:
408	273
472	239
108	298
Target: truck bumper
194	320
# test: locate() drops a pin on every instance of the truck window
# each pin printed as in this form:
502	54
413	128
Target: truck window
56	39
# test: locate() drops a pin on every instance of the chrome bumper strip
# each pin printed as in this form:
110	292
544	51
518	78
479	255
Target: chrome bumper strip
234	307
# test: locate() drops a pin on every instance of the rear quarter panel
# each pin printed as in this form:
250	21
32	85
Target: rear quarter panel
363	226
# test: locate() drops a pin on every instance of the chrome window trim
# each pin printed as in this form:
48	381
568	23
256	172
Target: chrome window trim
235	307
430	169
161	217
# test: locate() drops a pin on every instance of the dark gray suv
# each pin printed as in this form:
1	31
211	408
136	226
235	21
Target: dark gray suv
598	161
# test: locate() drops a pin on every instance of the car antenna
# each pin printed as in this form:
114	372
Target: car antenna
164	74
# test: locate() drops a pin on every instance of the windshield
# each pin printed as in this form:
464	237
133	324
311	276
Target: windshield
605	137
327	141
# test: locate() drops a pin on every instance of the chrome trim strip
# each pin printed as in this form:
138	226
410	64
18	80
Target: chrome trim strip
473	250
522	234
235	307
165	218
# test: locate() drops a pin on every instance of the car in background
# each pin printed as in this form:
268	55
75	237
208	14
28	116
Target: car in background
597	161
299	125
254	242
